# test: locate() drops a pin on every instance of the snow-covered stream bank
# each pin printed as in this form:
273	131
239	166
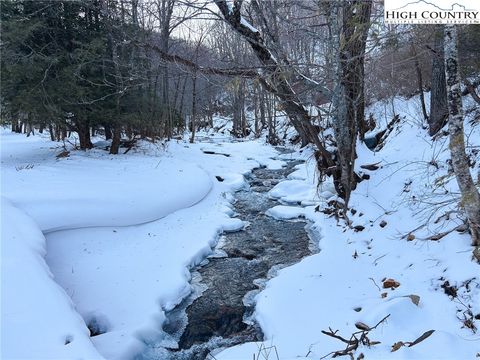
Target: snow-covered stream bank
219	313
120	277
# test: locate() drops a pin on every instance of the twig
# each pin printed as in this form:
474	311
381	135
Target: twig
375	261
378	287
438	236
338	337
354	342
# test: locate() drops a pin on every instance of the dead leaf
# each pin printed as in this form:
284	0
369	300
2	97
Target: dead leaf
362	326
410	237
425	335
415	299
390	284
397	346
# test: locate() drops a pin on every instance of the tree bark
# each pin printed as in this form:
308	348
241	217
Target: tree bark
194	107
420	83
350	22
115	140
470	196
83	131
52	133
108	131
438	95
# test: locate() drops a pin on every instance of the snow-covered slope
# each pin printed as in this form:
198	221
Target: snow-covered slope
343	283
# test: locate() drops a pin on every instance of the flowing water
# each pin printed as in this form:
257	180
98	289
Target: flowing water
219	312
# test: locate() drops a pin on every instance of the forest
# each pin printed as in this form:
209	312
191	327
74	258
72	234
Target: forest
228	179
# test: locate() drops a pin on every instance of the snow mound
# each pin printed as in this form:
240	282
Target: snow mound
37	315
84	191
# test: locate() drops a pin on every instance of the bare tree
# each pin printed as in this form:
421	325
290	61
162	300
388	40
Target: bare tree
274	76
470	196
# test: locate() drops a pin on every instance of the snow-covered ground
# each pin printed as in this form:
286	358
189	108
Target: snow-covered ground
343	284
119	233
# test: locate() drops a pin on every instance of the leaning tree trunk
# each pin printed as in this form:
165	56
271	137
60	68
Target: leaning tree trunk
438	95
274	77
470	196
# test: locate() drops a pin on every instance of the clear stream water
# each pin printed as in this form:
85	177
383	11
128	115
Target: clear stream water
219	313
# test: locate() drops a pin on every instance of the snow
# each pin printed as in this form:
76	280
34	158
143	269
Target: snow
38	319
248	25
94	189
342	284
121	233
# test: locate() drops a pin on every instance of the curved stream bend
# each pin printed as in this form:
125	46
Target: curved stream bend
219	312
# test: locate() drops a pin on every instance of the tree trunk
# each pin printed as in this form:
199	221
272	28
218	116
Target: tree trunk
115	140
83	131
108	131
438	95
52	133
194	107
261	104
420	83
470	196
238	106
350	22
275	79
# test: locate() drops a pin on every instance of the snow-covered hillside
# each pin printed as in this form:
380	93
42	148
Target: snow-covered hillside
411	198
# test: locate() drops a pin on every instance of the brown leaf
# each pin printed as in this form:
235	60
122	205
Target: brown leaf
390	284
425	335
415	299
371	167
410	237
397	346
362	326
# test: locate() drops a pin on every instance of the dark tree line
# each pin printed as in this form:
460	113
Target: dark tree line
83	66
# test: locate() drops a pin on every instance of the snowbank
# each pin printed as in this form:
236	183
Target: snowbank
38	318
94	189
122	231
